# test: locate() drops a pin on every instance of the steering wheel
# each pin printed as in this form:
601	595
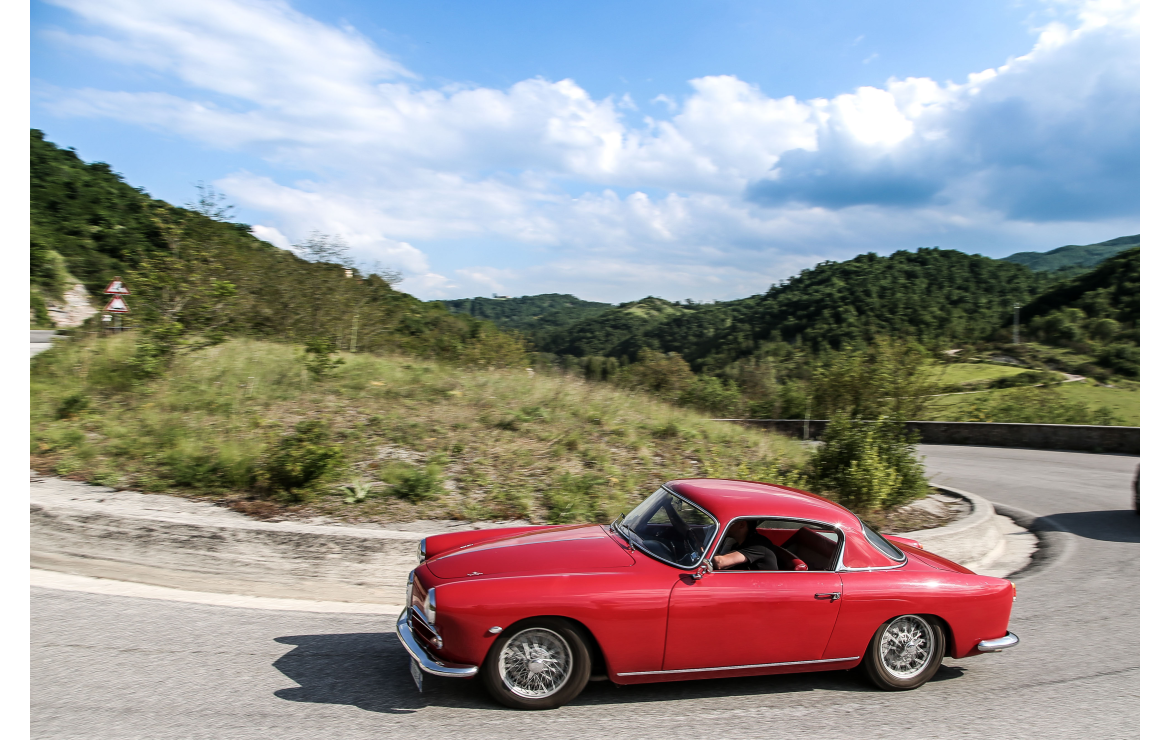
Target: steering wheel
681	527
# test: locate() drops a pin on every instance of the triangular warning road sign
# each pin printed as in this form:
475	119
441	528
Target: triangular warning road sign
117	304
116	287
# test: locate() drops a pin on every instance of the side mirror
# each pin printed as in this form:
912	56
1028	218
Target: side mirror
705	567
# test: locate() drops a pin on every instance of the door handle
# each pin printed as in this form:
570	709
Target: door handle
830	597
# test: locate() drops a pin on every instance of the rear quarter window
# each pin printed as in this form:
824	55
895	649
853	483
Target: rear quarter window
881	543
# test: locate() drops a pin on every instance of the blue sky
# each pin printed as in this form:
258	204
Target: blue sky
612	150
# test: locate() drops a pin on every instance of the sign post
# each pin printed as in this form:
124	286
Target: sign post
117	305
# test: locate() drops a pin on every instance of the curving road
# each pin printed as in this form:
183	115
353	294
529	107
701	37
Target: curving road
118	667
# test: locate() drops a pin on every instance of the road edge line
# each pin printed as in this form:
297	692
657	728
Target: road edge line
58	581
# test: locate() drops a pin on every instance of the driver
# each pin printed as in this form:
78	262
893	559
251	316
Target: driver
753	551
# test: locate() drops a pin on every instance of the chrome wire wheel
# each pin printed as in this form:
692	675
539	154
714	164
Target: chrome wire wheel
535	663
907	646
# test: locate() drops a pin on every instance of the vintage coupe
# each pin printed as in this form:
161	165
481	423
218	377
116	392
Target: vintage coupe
539	611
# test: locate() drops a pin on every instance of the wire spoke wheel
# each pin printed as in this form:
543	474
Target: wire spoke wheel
907	646
535	663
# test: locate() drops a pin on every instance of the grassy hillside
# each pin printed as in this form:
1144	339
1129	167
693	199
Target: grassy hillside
1085	402
1074	259
418	438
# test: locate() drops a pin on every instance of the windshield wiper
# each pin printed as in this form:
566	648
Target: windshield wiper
619	529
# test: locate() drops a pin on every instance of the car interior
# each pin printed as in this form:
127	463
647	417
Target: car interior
798	545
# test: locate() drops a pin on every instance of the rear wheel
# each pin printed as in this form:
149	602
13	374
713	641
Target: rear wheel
539	663
904	653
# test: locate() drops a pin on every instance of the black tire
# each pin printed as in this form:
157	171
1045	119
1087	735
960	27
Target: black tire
906	669
543	633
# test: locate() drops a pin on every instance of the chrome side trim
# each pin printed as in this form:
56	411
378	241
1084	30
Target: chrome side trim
1000	643
739	667
843	569
419	654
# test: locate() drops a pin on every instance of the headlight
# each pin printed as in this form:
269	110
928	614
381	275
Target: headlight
429	606
409	589
422	549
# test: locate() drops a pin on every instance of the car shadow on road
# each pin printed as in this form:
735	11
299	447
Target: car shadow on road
366	670
370	671
1118	525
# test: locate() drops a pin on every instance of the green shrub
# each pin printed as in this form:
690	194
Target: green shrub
303	457
415	483
72	405
867	465
40	311
317	360
710	394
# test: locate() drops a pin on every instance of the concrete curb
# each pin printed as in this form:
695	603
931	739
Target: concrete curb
263	559
181	555
973	541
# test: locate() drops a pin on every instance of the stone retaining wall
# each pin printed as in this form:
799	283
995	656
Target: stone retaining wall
1079	437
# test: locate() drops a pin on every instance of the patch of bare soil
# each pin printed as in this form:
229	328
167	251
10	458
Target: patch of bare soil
936	510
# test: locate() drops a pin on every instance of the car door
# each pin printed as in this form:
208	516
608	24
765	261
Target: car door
736	618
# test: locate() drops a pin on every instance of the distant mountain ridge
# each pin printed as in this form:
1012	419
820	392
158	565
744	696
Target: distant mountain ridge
1074	259
531	314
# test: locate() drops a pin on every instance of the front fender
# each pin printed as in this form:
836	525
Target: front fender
624	610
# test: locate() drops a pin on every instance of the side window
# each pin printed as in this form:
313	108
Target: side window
802	546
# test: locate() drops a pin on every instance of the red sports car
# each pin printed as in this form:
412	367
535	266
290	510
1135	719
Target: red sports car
703	579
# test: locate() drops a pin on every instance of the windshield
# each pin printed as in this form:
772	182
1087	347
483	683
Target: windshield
670	529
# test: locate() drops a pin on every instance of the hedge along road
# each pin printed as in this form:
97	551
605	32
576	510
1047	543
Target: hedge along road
120	667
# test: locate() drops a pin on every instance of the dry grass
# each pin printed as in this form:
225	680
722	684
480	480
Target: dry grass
485	444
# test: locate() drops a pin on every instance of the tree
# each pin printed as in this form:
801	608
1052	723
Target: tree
867	465
182	301
883	378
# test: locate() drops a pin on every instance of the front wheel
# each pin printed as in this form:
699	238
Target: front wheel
539	663
904	653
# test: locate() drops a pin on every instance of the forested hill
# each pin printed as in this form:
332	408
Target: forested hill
531	314
1097	313
198	273
1074	259
86	214
933	295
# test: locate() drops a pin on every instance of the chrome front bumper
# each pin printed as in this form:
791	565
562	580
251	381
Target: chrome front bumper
423	658
999	643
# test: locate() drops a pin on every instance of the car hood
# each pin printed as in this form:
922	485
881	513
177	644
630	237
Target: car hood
578	549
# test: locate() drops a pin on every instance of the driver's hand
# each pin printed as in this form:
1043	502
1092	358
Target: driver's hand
731	559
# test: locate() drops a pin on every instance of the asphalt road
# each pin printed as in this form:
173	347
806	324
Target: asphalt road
39	340
118	667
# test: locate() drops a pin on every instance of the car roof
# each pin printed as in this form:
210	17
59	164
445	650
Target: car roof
728	499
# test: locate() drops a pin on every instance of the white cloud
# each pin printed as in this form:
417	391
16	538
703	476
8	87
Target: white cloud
399	167
272	235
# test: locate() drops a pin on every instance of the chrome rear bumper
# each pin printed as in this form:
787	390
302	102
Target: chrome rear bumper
423	658
999	643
